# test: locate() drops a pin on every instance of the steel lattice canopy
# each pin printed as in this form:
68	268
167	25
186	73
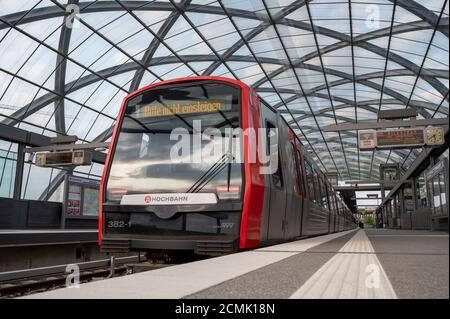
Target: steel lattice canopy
319	62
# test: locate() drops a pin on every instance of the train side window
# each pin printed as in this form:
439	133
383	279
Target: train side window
323	192
277	177
317	188
300	167
331	199
310	180
335	204
297	168
330	202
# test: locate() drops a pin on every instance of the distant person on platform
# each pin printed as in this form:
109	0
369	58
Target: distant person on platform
361	222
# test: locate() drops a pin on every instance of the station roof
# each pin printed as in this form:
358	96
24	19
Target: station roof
319	62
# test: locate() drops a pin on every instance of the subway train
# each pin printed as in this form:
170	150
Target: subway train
203	164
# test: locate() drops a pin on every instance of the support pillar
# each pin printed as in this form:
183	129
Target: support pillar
19	171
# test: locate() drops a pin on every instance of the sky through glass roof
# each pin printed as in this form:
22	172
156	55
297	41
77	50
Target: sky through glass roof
319	62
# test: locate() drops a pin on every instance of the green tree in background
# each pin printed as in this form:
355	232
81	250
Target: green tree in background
368	220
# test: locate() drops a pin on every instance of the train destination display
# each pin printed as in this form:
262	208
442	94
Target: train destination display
400	138
183	107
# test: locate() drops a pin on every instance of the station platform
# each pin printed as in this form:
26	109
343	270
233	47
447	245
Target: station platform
33	237
356	264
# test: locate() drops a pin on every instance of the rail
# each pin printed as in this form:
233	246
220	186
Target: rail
61	269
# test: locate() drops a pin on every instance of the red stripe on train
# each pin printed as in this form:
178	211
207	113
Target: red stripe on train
254	180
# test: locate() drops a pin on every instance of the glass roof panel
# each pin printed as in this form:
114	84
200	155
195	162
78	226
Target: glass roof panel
184	40
368	16
338	60
246	25
435	5
438	57
368	62
249	5
40	68
326	14
300	14
247	72
10	7
18	94
411	45
217	29
170	71
310	79
298	42
402	15
275	6
44	118
267	44
271	98
305	47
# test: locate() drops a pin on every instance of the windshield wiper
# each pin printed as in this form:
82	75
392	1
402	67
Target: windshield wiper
214	170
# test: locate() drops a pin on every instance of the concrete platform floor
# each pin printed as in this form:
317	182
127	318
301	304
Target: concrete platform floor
357	264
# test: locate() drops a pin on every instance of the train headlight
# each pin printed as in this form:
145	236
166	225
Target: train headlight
228	192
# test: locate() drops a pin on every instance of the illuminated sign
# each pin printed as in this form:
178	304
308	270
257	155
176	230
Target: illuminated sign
63	158
182	107
55	158
400	138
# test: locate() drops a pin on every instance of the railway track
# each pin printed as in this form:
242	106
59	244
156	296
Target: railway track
23	282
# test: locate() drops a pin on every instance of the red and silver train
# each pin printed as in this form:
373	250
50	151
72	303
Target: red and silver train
149	202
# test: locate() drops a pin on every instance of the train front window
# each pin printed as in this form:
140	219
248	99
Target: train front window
178	139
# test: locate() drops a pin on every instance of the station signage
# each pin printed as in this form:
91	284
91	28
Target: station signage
182	107
367	140
63	158
81	197
400	138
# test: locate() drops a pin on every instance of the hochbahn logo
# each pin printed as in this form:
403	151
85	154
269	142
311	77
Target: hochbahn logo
166	199
169	199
